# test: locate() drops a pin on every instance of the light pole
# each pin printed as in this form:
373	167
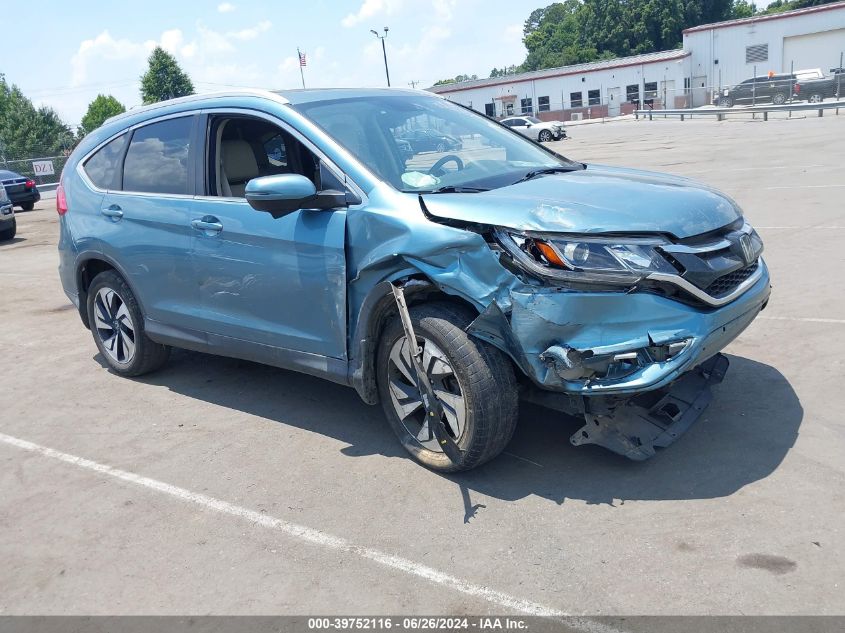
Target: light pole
384	51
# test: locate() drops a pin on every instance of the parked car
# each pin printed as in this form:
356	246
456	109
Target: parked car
425	140
444	295
776	89
817	90
8	224
22	190
532	127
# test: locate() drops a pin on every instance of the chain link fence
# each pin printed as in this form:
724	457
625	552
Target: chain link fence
42	164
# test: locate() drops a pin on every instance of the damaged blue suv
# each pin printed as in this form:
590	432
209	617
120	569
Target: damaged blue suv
446	284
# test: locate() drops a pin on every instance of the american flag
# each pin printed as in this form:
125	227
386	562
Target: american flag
302	61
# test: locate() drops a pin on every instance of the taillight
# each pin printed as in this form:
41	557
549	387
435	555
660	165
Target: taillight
61	200
29	184
797	88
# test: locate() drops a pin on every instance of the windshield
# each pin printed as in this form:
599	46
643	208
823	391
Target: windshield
418	143
533	119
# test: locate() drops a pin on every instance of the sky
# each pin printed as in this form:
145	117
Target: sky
78	49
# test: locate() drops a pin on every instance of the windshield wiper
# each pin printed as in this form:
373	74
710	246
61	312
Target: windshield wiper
542	172
456	189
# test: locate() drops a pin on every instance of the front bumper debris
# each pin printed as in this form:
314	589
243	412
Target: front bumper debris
635	427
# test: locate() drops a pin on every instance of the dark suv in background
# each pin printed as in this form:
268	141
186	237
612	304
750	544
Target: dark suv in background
776	89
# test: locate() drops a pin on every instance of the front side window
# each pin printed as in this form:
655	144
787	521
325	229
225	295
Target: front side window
420	143
103	168
157	160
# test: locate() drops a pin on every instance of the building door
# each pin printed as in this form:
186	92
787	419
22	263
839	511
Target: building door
614	101
667	93
699	91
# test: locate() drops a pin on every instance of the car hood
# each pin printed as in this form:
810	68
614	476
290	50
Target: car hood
598	199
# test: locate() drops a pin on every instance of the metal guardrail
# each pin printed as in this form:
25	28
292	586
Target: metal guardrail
720	113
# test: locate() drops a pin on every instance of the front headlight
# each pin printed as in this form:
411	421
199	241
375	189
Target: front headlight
615	261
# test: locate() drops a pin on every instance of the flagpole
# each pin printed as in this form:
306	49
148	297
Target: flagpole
299	60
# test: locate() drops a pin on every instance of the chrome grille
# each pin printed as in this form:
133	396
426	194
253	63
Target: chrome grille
727	283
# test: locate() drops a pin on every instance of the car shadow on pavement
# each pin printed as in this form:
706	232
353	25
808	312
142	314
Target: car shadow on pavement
742	437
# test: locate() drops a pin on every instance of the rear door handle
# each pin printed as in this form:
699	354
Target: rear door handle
208	223
112	211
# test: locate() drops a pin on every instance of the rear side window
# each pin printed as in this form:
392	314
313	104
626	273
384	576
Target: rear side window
103	168
157	160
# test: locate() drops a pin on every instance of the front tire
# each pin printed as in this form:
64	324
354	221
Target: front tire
779	98
545	136
9	233
815	98
118	328
474	381
726	102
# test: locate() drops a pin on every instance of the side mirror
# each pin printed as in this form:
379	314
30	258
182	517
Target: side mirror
285	193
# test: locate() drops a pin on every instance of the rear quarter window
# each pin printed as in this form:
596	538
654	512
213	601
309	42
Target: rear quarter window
103	167
157	159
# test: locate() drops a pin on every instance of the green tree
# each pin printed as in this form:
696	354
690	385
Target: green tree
27	131
577	31
164	79
455	79
99	110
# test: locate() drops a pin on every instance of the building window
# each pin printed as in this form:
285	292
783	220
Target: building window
525	104
575	98
650	89
756	53
490	109
632	93
543	104
594	97
509	109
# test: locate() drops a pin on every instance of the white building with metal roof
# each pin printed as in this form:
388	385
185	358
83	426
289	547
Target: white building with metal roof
713	56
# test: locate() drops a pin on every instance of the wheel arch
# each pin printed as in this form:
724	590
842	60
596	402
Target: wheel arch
88	266
376	312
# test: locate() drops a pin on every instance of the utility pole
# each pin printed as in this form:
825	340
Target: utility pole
413	84
384	51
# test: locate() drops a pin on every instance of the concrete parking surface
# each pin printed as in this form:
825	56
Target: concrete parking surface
221	486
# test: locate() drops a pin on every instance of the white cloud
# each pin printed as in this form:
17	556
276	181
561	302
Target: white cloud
225	7
514	33
443	9
105	49
252	32
370	9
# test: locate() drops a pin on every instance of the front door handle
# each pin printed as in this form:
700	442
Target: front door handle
113	211
208	223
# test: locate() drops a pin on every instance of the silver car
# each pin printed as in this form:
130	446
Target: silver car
8	225
534	128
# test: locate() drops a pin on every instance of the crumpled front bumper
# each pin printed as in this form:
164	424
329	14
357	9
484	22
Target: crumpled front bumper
597	325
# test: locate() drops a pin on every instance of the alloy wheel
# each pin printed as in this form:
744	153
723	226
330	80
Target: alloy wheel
406	398
815	98
114	325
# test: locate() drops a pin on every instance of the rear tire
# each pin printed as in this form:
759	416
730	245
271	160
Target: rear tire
481	376
815	98
9	233
28	206
118	327
726	102
779	98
